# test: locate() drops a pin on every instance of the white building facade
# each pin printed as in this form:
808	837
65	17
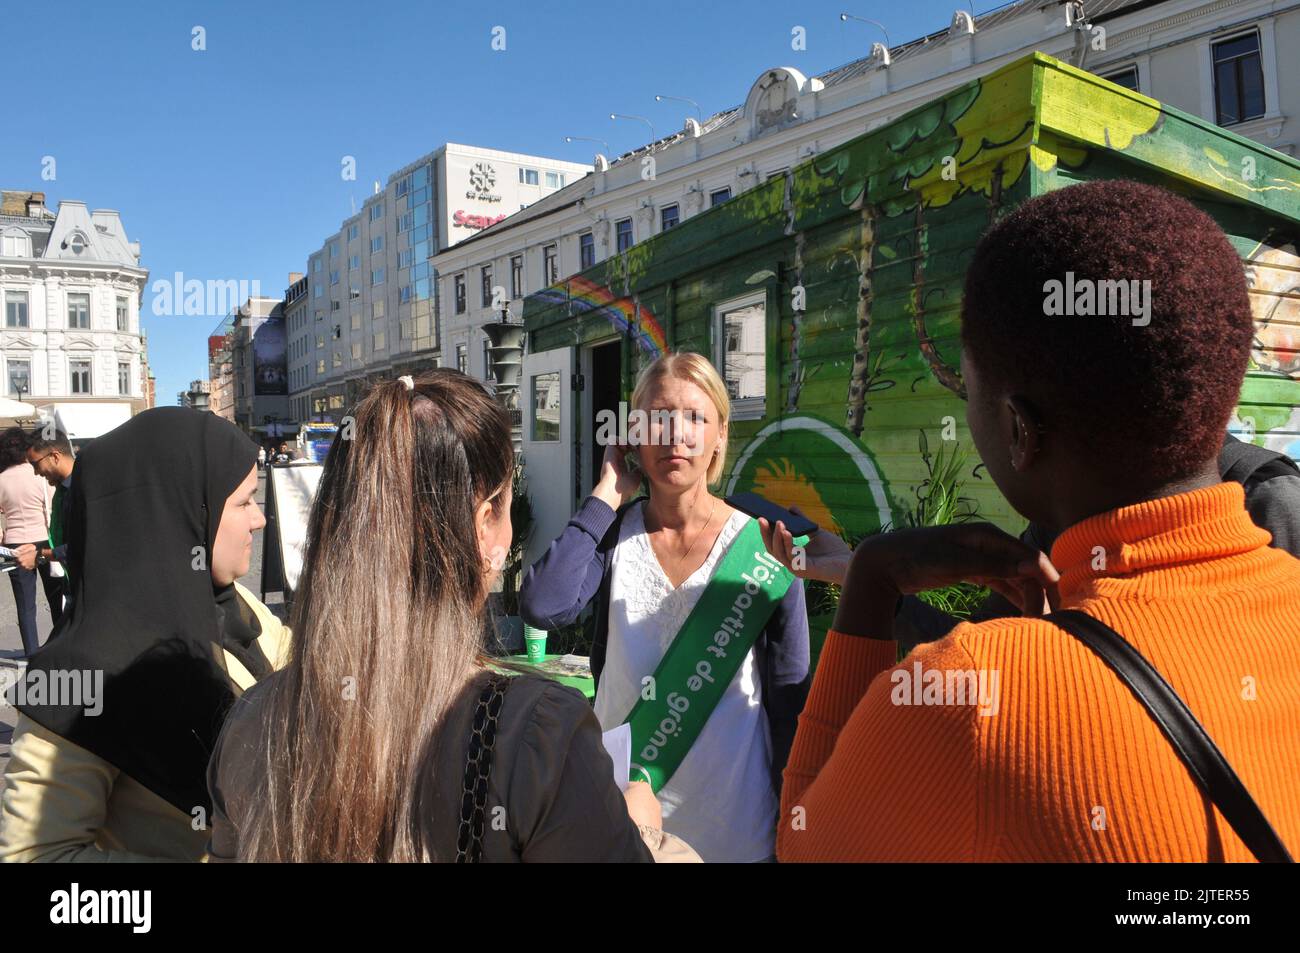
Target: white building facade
71	285
370	306
1227	61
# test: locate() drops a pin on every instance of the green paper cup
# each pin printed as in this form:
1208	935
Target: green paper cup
535	642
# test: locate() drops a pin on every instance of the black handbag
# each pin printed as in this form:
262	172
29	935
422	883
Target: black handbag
1208	766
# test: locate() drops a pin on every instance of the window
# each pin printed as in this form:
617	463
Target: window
315	266
545	406
528	176
740	353
318	291
338	331
550	267
405	257
356	350
623	234
552	180
20	378
354	262
320	367
79	315
335	305
320	340
377	309
376	276
404	294
376	211
487	359
718	196
354	230
123	314
586	251
1238	80
1126	77
334	249
338	359
376	244
460	294
334	277
485	276
15	244
380	343
517	276
80	375
356	321
669	217
403	186
462	358
15	309
124	379
320	315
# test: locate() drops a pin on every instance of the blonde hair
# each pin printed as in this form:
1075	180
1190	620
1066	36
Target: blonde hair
696	369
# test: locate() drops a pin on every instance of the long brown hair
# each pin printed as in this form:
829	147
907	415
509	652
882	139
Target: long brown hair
387	625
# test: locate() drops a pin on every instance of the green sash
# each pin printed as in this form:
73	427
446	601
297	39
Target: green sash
705	656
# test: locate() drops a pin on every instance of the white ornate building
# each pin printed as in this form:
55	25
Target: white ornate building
71	285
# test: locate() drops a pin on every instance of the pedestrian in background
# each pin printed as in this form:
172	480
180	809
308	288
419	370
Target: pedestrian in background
25	505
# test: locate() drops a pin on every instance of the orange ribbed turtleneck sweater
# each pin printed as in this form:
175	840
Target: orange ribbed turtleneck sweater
1066	765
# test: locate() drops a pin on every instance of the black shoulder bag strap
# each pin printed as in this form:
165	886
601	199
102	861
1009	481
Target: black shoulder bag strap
1203	758
1240	461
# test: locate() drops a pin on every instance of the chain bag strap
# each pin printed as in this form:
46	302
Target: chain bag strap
478	766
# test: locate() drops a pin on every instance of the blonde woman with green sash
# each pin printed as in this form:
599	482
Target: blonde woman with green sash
700	637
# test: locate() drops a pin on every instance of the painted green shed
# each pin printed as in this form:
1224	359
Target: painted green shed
845	277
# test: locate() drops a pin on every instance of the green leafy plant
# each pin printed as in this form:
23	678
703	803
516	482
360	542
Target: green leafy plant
939	502
521	521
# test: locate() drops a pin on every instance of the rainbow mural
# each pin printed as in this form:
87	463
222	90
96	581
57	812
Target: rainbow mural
585	296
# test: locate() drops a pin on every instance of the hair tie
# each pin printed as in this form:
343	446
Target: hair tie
408	381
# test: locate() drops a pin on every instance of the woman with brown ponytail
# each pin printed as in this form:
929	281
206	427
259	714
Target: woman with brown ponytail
359	749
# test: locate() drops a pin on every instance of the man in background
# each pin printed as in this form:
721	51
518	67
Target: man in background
51	458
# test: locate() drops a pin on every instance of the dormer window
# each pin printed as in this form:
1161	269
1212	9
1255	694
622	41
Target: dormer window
77	242
15	244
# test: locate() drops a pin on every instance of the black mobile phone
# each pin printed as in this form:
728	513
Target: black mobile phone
756	506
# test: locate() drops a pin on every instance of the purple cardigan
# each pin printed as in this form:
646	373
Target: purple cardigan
575	569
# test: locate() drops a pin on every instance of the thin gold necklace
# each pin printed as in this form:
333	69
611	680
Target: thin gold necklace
681	562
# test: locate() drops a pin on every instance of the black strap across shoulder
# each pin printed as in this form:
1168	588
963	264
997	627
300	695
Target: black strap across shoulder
478	770
1197	750
1241	462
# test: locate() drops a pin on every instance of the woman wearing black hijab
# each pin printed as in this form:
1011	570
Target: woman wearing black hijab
121	709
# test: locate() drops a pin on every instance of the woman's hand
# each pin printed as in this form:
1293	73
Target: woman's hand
618	484
825	557
642	805
913	560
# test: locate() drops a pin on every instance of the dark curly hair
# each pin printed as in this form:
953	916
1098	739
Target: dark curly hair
1156	397
13	447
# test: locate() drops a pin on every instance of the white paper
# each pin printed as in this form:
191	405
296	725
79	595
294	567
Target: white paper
618	742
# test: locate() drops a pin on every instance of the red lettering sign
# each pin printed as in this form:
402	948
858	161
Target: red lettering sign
466	220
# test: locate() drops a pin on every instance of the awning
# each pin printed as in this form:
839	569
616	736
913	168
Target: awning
86	421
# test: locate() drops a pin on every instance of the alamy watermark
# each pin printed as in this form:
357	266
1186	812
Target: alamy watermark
644	428
181	296
951	686
1086	297
58	688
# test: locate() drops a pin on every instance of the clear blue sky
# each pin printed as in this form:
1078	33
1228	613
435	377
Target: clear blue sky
225	163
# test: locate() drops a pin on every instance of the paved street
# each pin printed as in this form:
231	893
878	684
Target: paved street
11	642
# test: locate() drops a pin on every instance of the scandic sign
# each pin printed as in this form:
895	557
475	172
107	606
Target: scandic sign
465	220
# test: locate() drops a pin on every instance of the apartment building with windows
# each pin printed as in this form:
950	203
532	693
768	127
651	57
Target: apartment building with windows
1227	61
71	284
369	307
